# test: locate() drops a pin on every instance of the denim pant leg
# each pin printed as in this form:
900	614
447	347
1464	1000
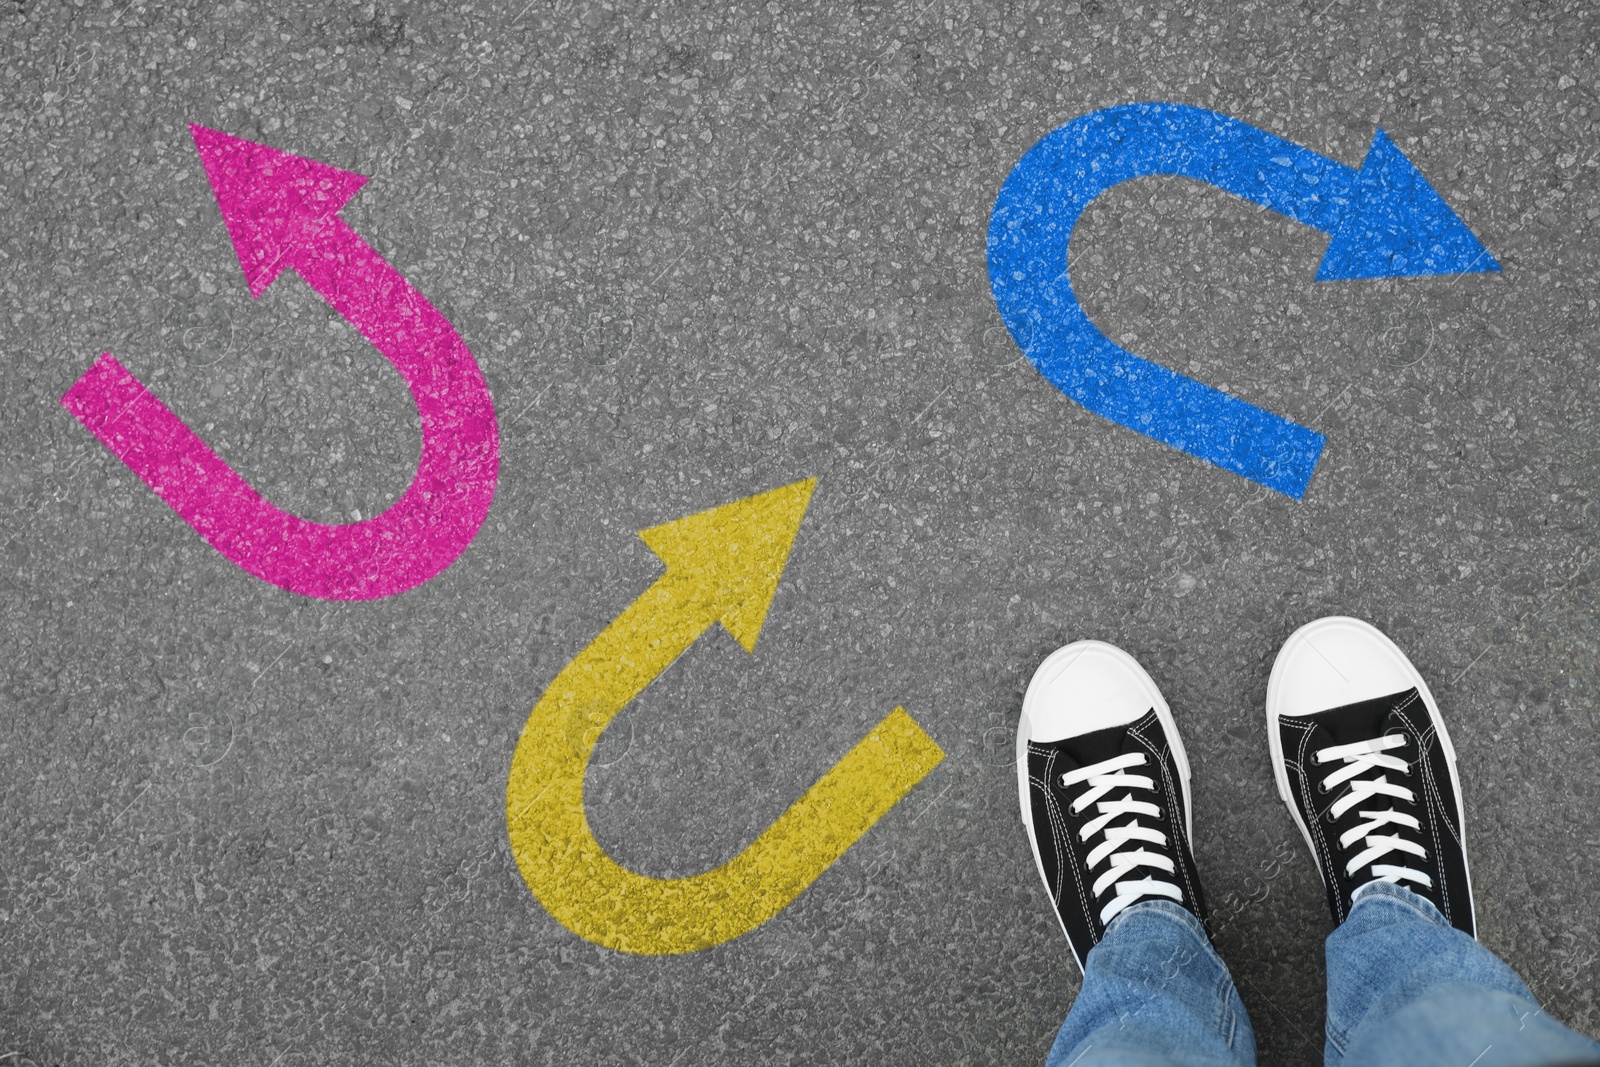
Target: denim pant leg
1155	993
1405	988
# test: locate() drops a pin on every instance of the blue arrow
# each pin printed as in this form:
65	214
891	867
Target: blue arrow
1385	221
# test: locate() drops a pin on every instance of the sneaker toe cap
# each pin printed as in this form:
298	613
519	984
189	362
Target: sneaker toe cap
1334	662
1084	687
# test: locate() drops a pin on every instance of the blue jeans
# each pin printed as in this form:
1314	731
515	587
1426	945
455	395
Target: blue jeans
1405	988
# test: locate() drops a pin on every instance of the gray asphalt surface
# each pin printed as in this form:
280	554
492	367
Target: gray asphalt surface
702	250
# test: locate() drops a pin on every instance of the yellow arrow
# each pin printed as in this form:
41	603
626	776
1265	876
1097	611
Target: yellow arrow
723	565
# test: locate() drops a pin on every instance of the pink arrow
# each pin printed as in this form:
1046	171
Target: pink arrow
282	211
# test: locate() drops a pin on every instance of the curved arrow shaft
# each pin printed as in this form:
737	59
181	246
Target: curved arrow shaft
1118	144
1031	228
418	536
597	898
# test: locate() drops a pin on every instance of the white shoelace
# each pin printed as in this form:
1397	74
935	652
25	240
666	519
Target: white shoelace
1364	764
1102	778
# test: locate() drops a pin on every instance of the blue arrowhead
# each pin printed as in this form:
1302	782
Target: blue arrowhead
1397	226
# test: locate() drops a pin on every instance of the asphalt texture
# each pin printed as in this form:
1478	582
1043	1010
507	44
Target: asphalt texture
699	251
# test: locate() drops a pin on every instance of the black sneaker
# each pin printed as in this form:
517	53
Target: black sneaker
1104	785
1364	762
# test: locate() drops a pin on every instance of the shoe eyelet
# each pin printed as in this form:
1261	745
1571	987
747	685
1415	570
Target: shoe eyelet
1322	787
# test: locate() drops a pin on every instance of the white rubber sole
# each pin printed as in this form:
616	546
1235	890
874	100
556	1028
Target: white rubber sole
1078	689
1337	661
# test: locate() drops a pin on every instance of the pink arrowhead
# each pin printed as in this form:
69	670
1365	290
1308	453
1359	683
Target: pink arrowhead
273	202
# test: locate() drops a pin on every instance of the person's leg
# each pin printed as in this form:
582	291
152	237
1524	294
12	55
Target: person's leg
1155	993
1408	989
1104	788
1365	763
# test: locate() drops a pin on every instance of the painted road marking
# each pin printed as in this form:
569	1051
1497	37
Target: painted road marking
282	211
723	565
1385	220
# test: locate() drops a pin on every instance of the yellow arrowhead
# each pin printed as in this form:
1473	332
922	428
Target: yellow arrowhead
728	559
